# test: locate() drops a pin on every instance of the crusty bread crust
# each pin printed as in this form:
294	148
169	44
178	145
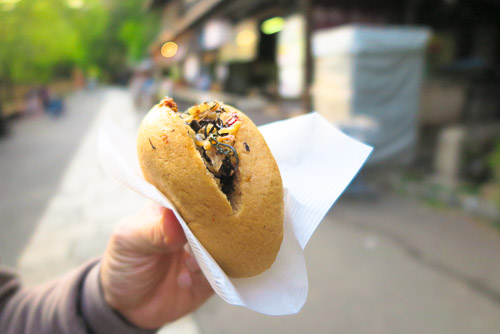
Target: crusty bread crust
242	234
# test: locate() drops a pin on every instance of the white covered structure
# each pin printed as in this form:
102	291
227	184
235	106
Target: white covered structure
372	73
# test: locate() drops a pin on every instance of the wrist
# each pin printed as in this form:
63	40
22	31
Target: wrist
129	311
99	314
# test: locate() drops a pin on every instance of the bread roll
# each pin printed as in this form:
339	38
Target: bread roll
216	168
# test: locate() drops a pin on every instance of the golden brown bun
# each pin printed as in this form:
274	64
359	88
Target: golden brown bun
245	237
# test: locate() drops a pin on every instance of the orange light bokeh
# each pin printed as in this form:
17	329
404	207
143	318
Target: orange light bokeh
169	49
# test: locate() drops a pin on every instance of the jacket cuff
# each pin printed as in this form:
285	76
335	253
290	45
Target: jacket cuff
98	315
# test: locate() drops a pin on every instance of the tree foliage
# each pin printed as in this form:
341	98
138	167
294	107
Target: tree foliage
43	39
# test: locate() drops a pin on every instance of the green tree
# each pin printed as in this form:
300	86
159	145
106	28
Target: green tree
42	39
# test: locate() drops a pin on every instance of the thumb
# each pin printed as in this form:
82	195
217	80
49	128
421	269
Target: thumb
157	230
173	234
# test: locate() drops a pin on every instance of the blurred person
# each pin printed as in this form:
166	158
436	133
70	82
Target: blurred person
147	95
145	279
44	95
165	88
143	90
143	87
55	107
93	78
205	81
52	104
135	86
78	78
34	105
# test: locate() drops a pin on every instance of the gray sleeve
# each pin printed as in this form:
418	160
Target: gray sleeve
71	304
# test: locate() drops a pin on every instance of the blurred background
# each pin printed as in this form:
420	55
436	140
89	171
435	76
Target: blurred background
413	246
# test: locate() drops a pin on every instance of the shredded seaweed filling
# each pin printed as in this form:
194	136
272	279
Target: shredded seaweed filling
221	159
227	171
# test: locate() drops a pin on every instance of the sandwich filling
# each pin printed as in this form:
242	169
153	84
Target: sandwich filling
214	131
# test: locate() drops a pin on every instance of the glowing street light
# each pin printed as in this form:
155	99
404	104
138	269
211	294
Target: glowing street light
273	25
169	49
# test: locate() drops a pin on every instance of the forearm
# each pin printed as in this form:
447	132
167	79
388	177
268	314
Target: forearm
70	304
49	308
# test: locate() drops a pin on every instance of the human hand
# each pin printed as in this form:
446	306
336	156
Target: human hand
147	274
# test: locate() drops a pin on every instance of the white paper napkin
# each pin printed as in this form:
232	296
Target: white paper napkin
316	162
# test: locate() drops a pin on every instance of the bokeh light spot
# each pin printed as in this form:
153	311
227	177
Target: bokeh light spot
273	25
75	4
246	38
169	49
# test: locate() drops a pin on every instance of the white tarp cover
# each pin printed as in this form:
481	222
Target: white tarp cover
372	72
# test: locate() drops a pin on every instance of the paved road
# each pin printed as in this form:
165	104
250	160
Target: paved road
386	266
391	266
32	159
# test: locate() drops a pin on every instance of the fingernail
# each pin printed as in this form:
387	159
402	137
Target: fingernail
188	249
184	279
